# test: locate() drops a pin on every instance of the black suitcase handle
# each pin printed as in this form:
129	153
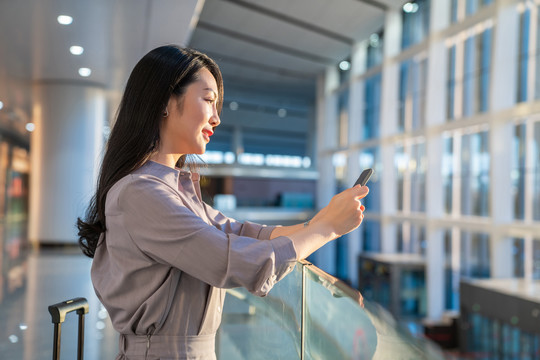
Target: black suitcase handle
58	313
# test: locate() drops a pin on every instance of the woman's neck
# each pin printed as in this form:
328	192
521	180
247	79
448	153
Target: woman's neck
169	160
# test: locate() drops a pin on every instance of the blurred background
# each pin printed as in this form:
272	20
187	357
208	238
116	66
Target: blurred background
441	98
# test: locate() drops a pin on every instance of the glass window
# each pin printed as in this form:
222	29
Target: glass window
523	60
343	118
451	82
375	49
411	238
342	257
369	158
415	20
447	169
400	239
475	255
372	108
536	259
536	171
528	82
454	11
518	254
339	161
417	168
459	9
471	84
484	47
410	163
518	171
471	7
534	54
412	87
475	160
452	276
476	73
403	90
418	233
401	162
370	232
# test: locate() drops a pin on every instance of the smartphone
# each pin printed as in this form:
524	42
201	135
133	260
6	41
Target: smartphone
364	177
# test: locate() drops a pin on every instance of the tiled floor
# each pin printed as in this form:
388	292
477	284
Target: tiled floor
48	277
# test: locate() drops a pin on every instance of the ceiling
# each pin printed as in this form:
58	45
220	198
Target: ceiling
282	43
270	51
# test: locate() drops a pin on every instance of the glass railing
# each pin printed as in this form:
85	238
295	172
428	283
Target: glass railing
313	315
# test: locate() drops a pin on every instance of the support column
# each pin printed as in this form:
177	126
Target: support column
503	91
356	120
389	119
353	238
505	57
435	255
435	269
326	141
435	103
501	203
325	257
66	150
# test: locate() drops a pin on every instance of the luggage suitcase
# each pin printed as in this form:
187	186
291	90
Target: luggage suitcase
58	313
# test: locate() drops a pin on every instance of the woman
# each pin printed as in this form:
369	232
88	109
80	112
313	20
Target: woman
162	257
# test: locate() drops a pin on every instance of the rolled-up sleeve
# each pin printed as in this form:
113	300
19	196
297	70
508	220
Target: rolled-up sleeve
246	228
164	229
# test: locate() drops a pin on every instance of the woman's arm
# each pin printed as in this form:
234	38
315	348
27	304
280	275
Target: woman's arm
286	230
343	214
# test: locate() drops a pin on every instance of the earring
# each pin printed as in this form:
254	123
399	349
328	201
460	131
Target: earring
166	113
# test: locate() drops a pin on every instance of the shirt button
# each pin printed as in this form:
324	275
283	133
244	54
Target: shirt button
219	309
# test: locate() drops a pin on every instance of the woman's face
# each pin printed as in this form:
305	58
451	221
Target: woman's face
192	117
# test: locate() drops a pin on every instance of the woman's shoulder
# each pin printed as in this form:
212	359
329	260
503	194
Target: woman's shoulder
138	185
141	182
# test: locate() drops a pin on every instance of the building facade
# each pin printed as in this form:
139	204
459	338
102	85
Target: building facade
443	103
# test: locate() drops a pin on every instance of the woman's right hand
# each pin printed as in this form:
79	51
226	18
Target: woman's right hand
345	211
342	215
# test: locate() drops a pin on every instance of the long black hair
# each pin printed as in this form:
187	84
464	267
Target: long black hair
164	72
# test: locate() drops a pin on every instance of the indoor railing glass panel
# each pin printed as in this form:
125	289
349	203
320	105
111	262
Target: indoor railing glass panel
313	315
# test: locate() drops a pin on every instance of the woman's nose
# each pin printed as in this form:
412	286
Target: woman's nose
215	120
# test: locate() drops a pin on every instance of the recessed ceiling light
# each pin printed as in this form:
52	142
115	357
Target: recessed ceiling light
233	105
85	72
344	65
76	50
29	127
13	338
1	105
410	7
374	40
64	19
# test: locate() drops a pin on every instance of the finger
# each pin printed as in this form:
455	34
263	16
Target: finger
360	191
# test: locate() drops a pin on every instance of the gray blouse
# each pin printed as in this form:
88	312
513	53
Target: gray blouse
167	258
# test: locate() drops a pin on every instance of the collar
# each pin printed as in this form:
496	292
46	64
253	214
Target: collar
167	174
